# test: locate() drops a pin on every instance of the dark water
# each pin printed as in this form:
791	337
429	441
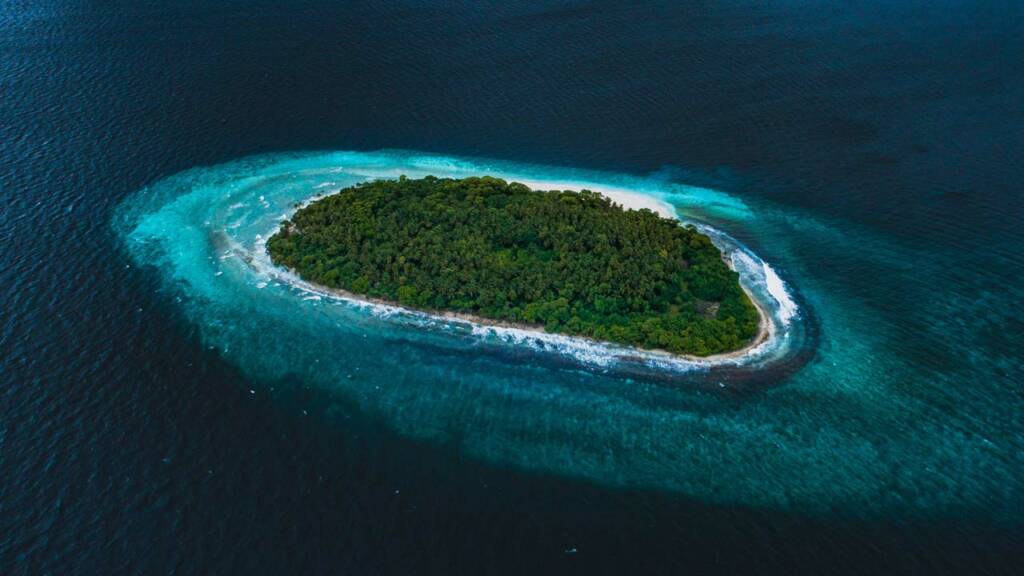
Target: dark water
161	419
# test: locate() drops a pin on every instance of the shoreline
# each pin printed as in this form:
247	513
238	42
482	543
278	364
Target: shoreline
629	201
763	331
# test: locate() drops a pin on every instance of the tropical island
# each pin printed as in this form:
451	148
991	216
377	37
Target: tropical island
488	250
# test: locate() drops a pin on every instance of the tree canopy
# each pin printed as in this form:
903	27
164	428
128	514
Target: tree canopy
573	262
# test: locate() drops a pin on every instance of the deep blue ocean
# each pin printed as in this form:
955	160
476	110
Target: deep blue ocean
171	405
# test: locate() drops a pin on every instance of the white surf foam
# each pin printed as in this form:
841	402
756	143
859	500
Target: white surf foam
777	288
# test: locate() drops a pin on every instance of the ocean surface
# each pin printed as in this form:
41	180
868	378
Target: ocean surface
172	403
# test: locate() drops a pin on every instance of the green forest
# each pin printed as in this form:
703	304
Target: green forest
573	262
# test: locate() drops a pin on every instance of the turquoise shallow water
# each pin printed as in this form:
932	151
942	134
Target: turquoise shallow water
821	418
156	417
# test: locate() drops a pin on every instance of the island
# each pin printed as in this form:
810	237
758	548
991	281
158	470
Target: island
492	251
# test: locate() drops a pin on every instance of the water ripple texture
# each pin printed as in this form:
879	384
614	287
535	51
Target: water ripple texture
818	425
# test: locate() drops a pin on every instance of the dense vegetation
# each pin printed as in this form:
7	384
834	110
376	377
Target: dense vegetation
571	261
